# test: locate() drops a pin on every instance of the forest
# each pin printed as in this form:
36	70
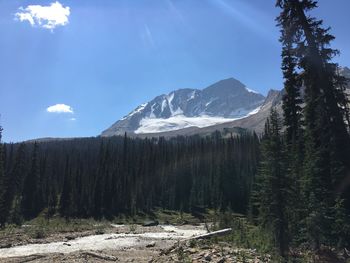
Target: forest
292	181
105	177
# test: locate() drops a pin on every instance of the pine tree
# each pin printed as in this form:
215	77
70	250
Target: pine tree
271	196
292	113
13	182
51	201
3	209
326	115
29	205
65	207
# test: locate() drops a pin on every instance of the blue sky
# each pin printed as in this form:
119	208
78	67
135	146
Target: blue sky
112	55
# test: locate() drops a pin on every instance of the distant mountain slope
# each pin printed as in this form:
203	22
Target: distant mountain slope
241	108
345	71
221	102
254	122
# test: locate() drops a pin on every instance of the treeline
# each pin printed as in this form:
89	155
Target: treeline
302	189
106	177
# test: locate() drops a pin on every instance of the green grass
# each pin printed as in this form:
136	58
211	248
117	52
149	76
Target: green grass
40	227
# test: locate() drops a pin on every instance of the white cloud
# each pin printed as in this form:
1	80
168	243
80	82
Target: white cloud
48	17
72	119
60	108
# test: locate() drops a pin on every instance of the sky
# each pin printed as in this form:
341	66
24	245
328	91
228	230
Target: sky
72	68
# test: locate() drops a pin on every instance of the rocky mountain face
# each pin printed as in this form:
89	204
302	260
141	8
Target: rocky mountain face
224	105
221	102
345	71
254	122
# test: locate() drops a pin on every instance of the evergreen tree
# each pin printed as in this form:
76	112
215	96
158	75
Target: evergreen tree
13	182
3	209
30	204
271	194
292	113
326	115
51	201
129	175
65	207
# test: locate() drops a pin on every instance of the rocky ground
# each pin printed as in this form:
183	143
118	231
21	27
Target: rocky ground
122	243
204	251
201	252
136	243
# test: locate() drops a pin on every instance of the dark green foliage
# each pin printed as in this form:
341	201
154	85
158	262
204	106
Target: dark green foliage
106	177
317	137
10	184
66	200
272	187
32	202
341	227
14	182
301	193
3	210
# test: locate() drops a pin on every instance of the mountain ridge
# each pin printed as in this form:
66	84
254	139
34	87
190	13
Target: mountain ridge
223	101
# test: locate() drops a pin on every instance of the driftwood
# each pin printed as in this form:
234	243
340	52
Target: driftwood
218	233
29	258
100	256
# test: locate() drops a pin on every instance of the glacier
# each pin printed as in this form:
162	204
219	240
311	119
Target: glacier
178	122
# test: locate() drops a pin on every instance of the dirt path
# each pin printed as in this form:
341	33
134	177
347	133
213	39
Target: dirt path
154	238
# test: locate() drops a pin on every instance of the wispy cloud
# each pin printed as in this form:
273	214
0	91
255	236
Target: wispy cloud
48	17
60	108
147	36
174	10
72	119
247	15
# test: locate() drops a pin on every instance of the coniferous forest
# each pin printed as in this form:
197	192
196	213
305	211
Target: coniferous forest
106	177
292	181
301	190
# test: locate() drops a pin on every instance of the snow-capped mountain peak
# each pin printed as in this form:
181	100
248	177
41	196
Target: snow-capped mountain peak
223	101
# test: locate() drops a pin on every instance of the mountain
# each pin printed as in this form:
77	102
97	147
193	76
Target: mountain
345	71
253	122
241	108
224	101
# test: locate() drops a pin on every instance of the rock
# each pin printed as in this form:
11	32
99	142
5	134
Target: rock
8	245
207	257
184	222
100	256
152	244
192	250
70	237
66	244
151	223
221	260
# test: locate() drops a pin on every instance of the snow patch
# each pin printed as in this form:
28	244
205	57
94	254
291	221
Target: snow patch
192	96
170	98
137	110
254	111
164	103
208	103
252	91
178	111
154	125
152	115
242	112
178	122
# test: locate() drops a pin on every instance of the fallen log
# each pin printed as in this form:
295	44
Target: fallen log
218	233
221	232
30	258
100	256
